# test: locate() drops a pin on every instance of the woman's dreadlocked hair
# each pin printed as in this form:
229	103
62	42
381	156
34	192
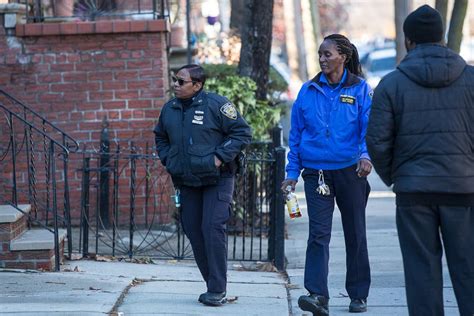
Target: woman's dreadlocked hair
345	47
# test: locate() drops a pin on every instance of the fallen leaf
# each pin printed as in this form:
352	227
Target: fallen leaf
104	258
93	288
232	299
76	269
76	256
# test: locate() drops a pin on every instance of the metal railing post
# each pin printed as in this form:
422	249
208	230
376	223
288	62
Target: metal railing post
277	135
104	175
85	206
67	205
279	210
55	208
13	148
276	250
133	175
115	221
147	184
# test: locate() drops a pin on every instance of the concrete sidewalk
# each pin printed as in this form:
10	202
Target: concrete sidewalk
165	288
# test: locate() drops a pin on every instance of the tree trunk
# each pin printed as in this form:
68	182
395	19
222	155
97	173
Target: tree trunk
256	43
300	43
237	17
456	25
402	8
316	22
442	7
247	38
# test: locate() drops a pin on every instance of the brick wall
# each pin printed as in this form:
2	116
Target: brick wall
77	74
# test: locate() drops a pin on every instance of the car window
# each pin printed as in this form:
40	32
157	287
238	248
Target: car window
387	63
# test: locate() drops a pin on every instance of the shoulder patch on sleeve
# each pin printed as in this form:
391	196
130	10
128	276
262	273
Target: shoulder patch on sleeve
229	110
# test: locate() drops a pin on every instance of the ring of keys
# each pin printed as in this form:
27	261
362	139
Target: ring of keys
323	188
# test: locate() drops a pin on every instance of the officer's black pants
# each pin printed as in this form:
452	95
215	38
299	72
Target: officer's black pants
351	193
420	229
204	214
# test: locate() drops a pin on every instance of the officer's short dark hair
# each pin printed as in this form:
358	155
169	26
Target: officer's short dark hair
196	72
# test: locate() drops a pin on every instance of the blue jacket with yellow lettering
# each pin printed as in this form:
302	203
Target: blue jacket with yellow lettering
328	132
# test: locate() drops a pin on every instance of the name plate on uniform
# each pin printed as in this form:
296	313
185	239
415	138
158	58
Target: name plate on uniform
347	99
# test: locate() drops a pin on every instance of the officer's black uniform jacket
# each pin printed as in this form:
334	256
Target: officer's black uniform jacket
421	128
187	141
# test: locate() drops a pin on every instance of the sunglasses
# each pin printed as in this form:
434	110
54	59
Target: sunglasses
181	81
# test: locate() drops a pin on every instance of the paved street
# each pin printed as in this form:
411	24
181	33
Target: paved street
387	294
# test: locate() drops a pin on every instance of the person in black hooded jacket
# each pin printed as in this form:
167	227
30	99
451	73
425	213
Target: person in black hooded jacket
421	139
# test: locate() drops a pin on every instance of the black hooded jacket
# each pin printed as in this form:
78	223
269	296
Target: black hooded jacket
421	128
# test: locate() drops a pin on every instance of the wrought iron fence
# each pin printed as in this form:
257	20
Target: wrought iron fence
34	156
127	207
91	10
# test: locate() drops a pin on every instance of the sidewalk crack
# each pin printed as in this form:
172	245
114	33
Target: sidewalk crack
118	303
288	287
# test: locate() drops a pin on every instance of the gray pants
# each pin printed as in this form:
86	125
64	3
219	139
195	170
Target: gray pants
420	230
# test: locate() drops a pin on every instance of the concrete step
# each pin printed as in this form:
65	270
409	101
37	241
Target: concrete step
34	250
8	214
36	239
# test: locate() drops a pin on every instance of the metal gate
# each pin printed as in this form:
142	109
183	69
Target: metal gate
127	206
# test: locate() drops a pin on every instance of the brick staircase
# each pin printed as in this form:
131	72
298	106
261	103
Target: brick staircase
22	248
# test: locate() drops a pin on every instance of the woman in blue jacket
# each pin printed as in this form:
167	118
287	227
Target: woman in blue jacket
327	141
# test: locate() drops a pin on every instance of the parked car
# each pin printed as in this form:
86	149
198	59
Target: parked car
377	64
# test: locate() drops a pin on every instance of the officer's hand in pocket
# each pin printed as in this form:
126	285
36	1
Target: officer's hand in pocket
217	162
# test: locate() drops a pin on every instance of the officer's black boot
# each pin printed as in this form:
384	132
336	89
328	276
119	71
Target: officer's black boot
213	299
201	297
316	304
358	306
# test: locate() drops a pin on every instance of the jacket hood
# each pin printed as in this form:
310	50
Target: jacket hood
432	65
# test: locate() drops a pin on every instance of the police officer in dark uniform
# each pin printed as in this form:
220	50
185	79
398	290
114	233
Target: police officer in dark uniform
198	137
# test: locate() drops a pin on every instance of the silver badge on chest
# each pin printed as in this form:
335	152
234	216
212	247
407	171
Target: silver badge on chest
198	117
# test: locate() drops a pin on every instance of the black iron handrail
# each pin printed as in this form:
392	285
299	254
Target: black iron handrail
52	149
32	126
67	140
